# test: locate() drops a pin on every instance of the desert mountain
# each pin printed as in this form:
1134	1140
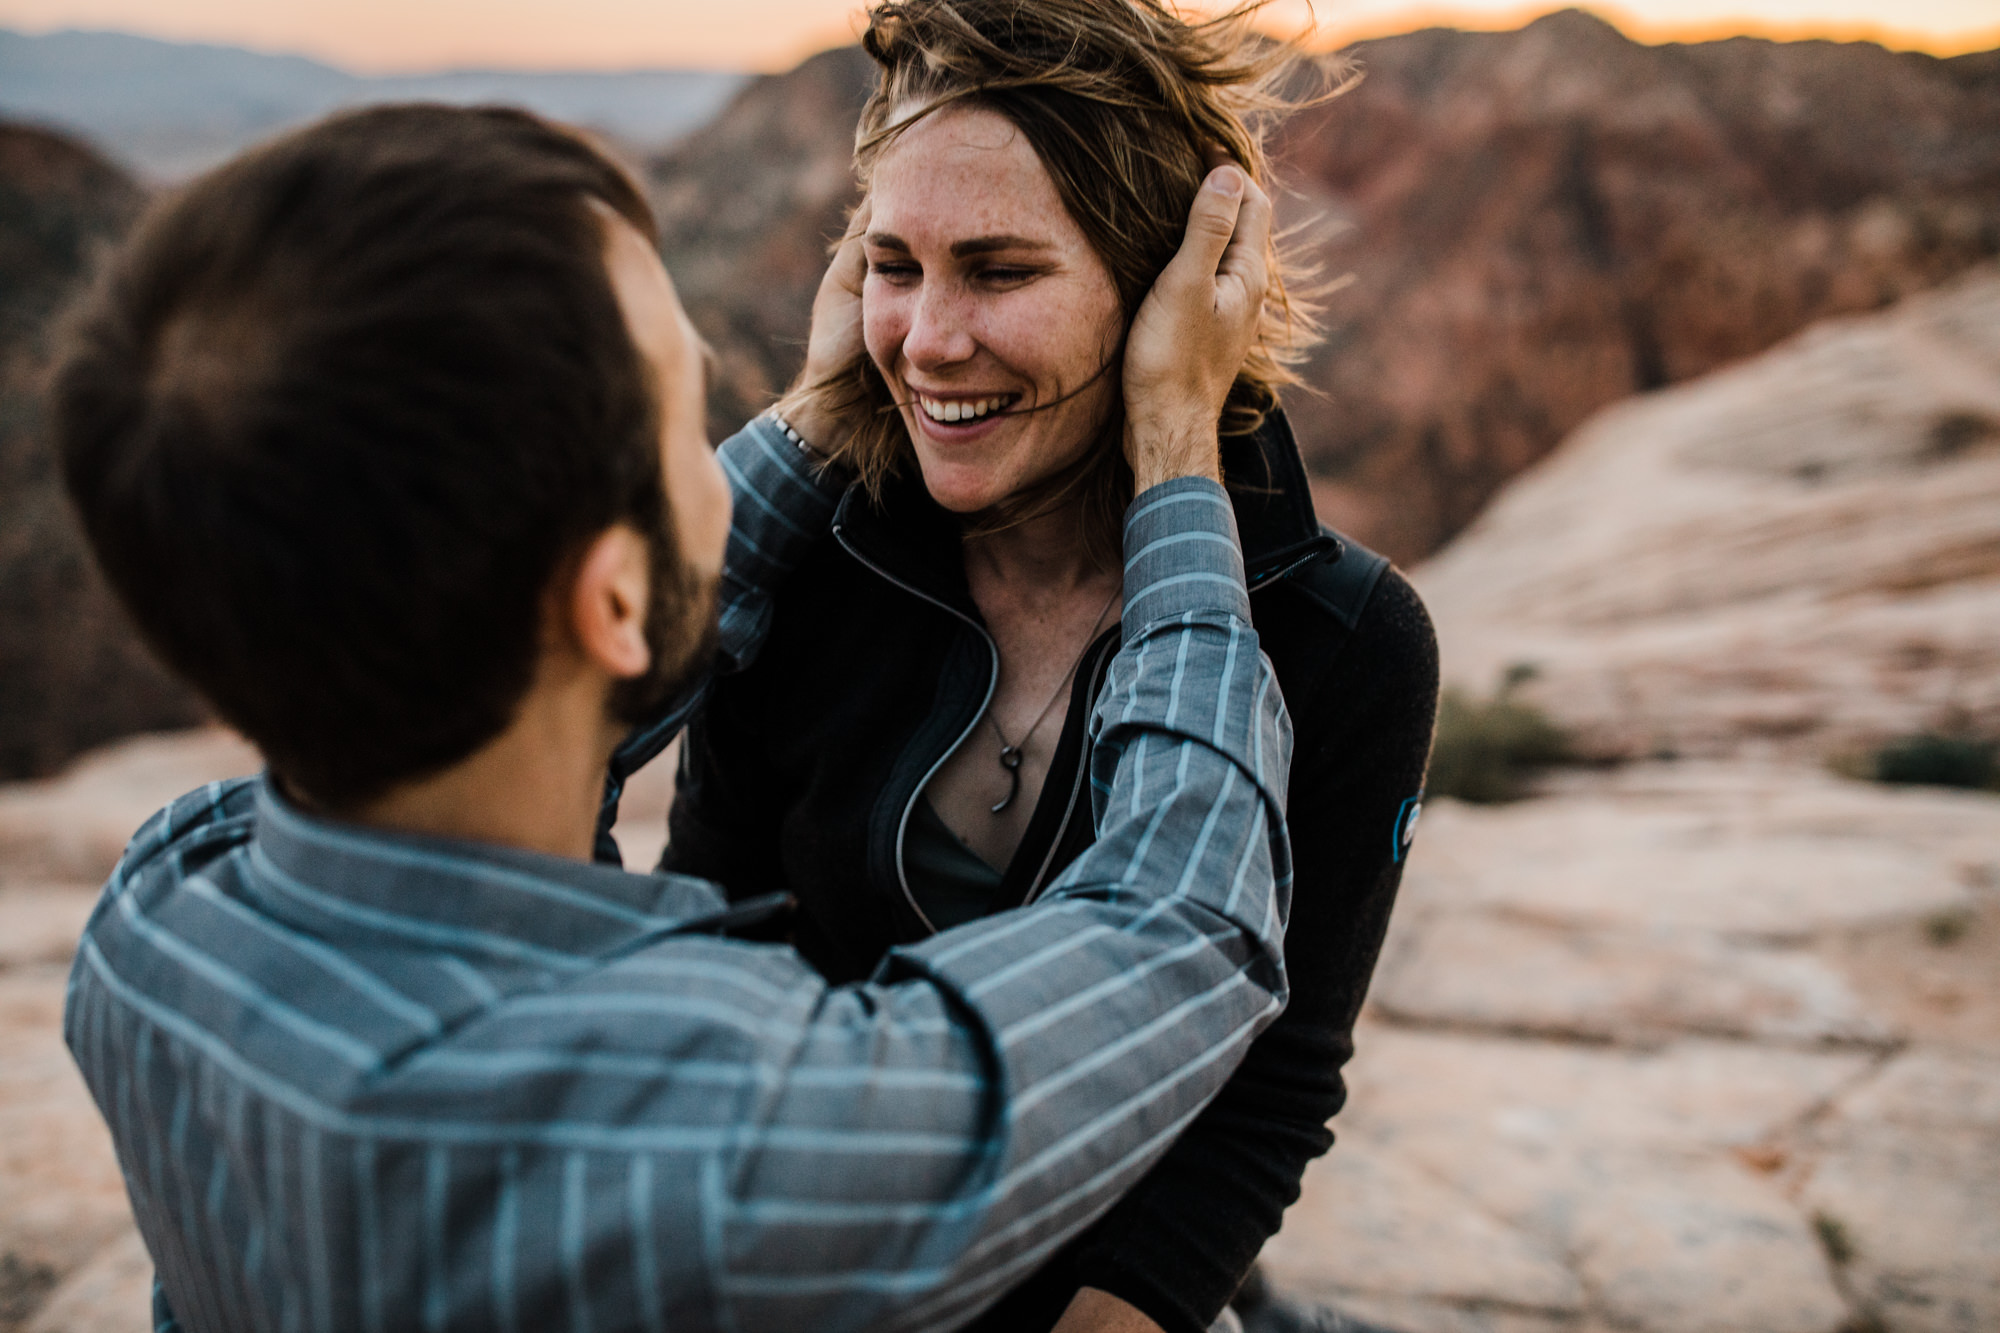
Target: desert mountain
746	206
1797	556
1542	222
1537	223
72	675
170	109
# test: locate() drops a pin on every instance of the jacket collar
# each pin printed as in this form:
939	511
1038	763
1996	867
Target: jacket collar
1272	496
909	538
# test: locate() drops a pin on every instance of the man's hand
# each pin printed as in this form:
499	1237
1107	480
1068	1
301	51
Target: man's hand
1094	1311
1193	331
836	327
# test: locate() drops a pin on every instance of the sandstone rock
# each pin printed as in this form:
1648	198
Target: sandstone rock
61	1197
641	829
75	826
1799	556
1409	1314
1935	981
1700	1246
1908	1169
1615	1163
1758	852
1632	987
1764	569
113	1293
1482	1113
1369	1222
40	923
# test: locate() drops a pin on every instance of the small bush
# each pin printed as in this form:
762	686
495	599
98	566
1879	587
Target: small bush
1488	750
1938	761
1833	1238
1948	927
23	1286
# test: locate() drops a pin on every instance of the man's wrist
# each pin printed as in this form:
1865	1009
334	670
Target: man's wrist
1160	452
1093	1311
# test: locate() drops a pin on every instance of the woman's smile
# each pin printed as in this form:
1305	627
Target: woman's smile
986	310
942	410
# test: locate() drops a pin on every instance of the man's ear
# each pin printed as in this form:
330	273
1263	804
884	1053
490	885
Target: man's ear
607	602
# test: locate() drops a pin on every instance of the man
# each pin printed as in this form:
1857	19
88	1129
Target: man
390	437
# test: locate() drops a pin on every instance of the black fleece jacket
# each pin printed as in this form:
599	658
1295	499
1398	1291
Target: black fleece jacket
800	773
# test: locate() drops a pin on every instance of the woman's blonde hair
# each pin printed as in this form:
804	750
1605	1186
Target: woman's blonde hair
1125	103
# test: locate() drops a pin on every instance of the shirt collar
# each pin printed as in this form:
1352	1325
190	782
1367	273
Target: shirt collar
341	879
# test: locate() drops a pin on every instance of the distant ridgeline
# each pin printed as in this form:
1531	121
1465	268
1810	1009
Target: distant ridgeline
167	109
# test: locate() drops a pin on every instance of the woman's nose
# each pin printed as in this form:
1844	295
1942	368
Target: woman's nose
939	334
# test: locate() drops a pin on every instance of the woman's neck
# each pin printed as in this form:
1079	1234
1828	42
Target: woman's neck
1047	554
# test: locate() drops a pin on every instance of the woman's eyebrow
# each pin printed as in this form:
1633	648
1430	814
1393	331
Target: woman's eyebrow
982	245
977	245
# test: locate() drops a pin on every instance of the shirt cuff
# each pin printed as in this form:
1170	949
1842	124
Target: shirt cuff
1183	559
772	462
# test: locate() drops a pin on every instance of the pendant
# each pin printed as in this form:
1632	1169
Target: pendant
1010	759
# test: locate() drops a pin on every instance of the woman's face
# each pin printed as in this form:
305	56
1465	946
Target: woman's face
983	299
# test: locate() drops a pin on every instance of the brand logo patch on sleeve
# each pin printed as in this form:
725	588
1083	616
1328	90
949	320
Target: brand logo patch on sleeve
1406	825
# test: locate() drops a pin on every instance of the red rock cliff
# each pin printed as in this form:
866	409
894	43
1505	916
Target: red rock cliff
72	673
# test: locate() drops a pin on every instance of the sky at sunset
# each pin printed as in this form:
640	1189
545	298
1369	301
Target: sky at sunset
373	36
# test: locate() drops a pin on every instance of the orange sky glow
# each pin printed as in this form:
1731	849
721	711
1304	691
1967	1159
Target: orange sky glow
375	36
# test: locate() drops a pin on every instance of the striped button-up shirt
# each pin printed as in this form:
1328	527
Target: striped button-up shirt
362	1081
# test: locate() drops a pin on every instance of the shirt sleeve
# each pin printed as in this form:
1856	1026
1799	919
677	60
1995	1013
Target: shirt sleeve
781	501
1179	1244
938	1132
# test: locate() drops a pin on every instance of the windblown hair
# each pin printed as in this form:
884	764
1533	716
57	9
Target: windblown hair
1125	102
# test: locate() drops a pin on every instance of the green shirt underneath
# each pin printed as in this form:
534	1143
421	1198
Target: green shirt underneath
950	882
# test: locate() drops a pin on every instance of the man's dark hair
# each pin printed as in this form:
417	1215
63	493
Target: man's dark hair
339	412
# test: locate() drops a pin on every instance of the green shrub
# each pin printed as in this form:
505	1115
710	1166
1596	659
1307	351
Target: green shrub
1937	761
1488	750
1834	1239
1948	927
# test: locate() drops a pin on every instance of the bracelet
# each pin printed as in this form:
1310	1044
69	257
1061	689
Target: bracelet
789	433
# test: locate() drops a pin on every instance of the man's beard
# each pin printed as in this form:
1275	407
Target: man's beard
681	632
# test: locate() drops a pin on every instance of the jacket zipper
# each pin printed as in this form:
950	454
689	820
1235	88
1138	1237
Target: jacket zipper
992	683
1285	569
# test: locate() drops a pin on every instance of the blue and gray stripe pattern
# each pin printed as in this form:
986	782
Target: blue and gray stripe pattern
360	1081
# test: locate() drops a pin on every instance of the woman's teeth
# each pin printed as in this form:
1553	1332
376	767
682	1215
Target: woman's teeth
962	411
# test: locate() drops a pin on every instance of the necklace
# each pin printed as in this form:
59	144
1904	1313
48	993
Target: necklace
1011	752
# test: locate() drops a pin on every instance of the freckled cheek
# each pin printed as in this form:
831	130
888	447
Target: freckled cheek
1052	342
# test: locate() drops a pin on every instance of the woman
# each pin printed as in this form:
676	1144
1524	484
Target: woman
908	754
